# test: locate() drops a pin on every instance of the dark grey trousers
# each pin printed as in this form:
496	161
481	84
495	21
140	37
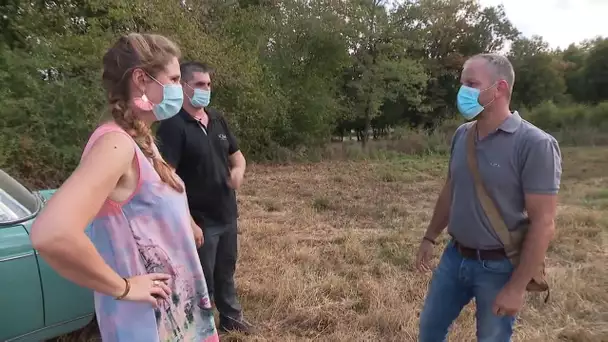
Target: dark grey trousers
218	256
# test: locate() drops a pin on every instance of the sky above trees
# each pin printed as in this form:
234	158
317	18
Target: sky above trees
559	22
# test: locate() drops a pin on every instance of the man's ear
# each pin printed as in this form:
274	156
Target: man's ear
503	85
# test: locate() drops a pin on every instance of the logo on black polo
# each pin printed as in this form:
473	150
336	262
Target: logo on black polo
222	136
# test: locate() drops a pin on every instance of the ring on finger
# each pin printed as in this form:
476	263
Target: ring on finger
155	283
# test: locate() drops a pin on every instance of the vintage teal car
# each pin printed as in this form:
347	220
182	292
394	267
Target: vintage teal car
36	303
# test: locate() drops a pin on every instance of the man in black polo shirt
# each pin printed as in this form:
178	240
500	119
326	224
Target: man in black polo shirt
199	145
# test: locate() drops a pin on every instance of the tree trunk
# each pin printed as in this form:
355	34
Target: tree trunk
367	126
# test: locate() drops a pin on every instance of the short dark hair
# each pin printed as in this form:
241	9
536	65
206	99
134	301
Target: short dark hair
500	66
187	69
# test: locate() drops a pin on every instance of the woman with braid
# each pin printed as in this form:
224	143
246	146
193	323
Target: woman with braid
140	255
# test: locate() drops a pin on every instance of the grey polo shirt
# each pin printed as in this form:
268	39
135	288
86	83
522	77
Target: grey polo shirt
516	159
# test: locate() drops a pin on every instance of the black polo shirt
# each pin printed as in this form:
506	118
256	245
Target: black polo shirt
200	156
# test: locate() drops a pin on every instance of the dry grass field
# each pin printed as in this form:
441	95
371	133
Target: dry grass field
326	252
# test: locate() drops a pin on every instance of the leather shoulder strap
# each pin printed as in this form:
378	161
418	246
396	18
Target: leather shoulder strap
496	220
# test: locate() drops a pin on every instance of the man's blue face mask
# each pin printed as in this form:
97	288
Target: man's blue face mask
467	101
200	98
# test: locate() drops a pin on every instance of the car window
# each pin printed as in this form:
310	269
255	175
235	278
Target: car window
16	201
10	209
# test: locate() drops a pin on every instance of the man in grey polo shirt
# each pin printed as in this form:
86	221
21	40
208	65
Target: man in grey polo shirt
521	167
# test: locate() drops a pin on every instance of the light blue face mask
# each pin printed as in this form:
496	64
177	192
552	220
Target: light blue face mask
173	98
467	101
200	98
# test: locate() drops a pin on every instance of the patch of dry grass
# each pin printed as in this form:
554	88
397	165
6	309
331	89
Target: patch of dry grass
326	252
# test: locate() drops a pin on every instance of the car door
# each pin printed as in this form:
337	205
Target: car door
64	301
21	301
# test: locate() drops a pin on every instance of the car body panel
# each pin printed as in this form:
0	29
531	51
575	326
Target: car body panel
42	304
50	332
21	299
57	290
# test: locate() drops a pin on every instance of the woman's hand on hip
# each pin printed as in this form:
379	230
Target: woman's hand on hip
148	288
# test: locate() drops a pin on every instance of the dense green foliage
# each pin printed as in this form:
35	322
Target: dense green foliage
290	73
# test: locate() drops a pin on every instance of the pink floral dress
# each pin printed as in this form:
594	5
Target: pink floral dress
151	232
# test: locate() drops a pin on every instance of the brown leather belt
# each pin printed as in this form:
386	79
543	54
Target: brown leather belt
481	254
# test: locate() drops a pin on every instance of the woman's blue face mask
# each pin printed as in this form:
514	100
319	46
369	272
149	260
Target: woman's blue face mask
171	104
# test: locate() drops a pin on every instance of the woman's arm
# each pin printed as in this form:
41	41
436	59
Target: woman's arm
58	232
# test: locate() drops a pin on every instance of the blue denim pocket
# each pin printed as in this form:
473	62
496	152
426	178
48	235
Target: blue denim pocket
497	266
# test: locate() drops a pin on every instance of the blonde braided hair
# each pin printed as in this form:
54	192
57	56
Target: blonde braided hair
151	53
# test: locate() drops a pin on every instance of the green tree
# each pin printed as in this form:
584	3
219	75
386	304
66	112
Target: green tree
381	70
596	71
538	74
448	32
574	64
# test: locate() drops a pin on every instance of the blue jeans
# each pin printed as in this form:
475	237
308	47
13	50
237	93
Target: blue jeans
455	282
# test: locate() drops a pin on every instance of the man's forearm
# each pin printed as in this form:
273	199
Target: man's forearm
237	167
237	162
533	253
441	213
